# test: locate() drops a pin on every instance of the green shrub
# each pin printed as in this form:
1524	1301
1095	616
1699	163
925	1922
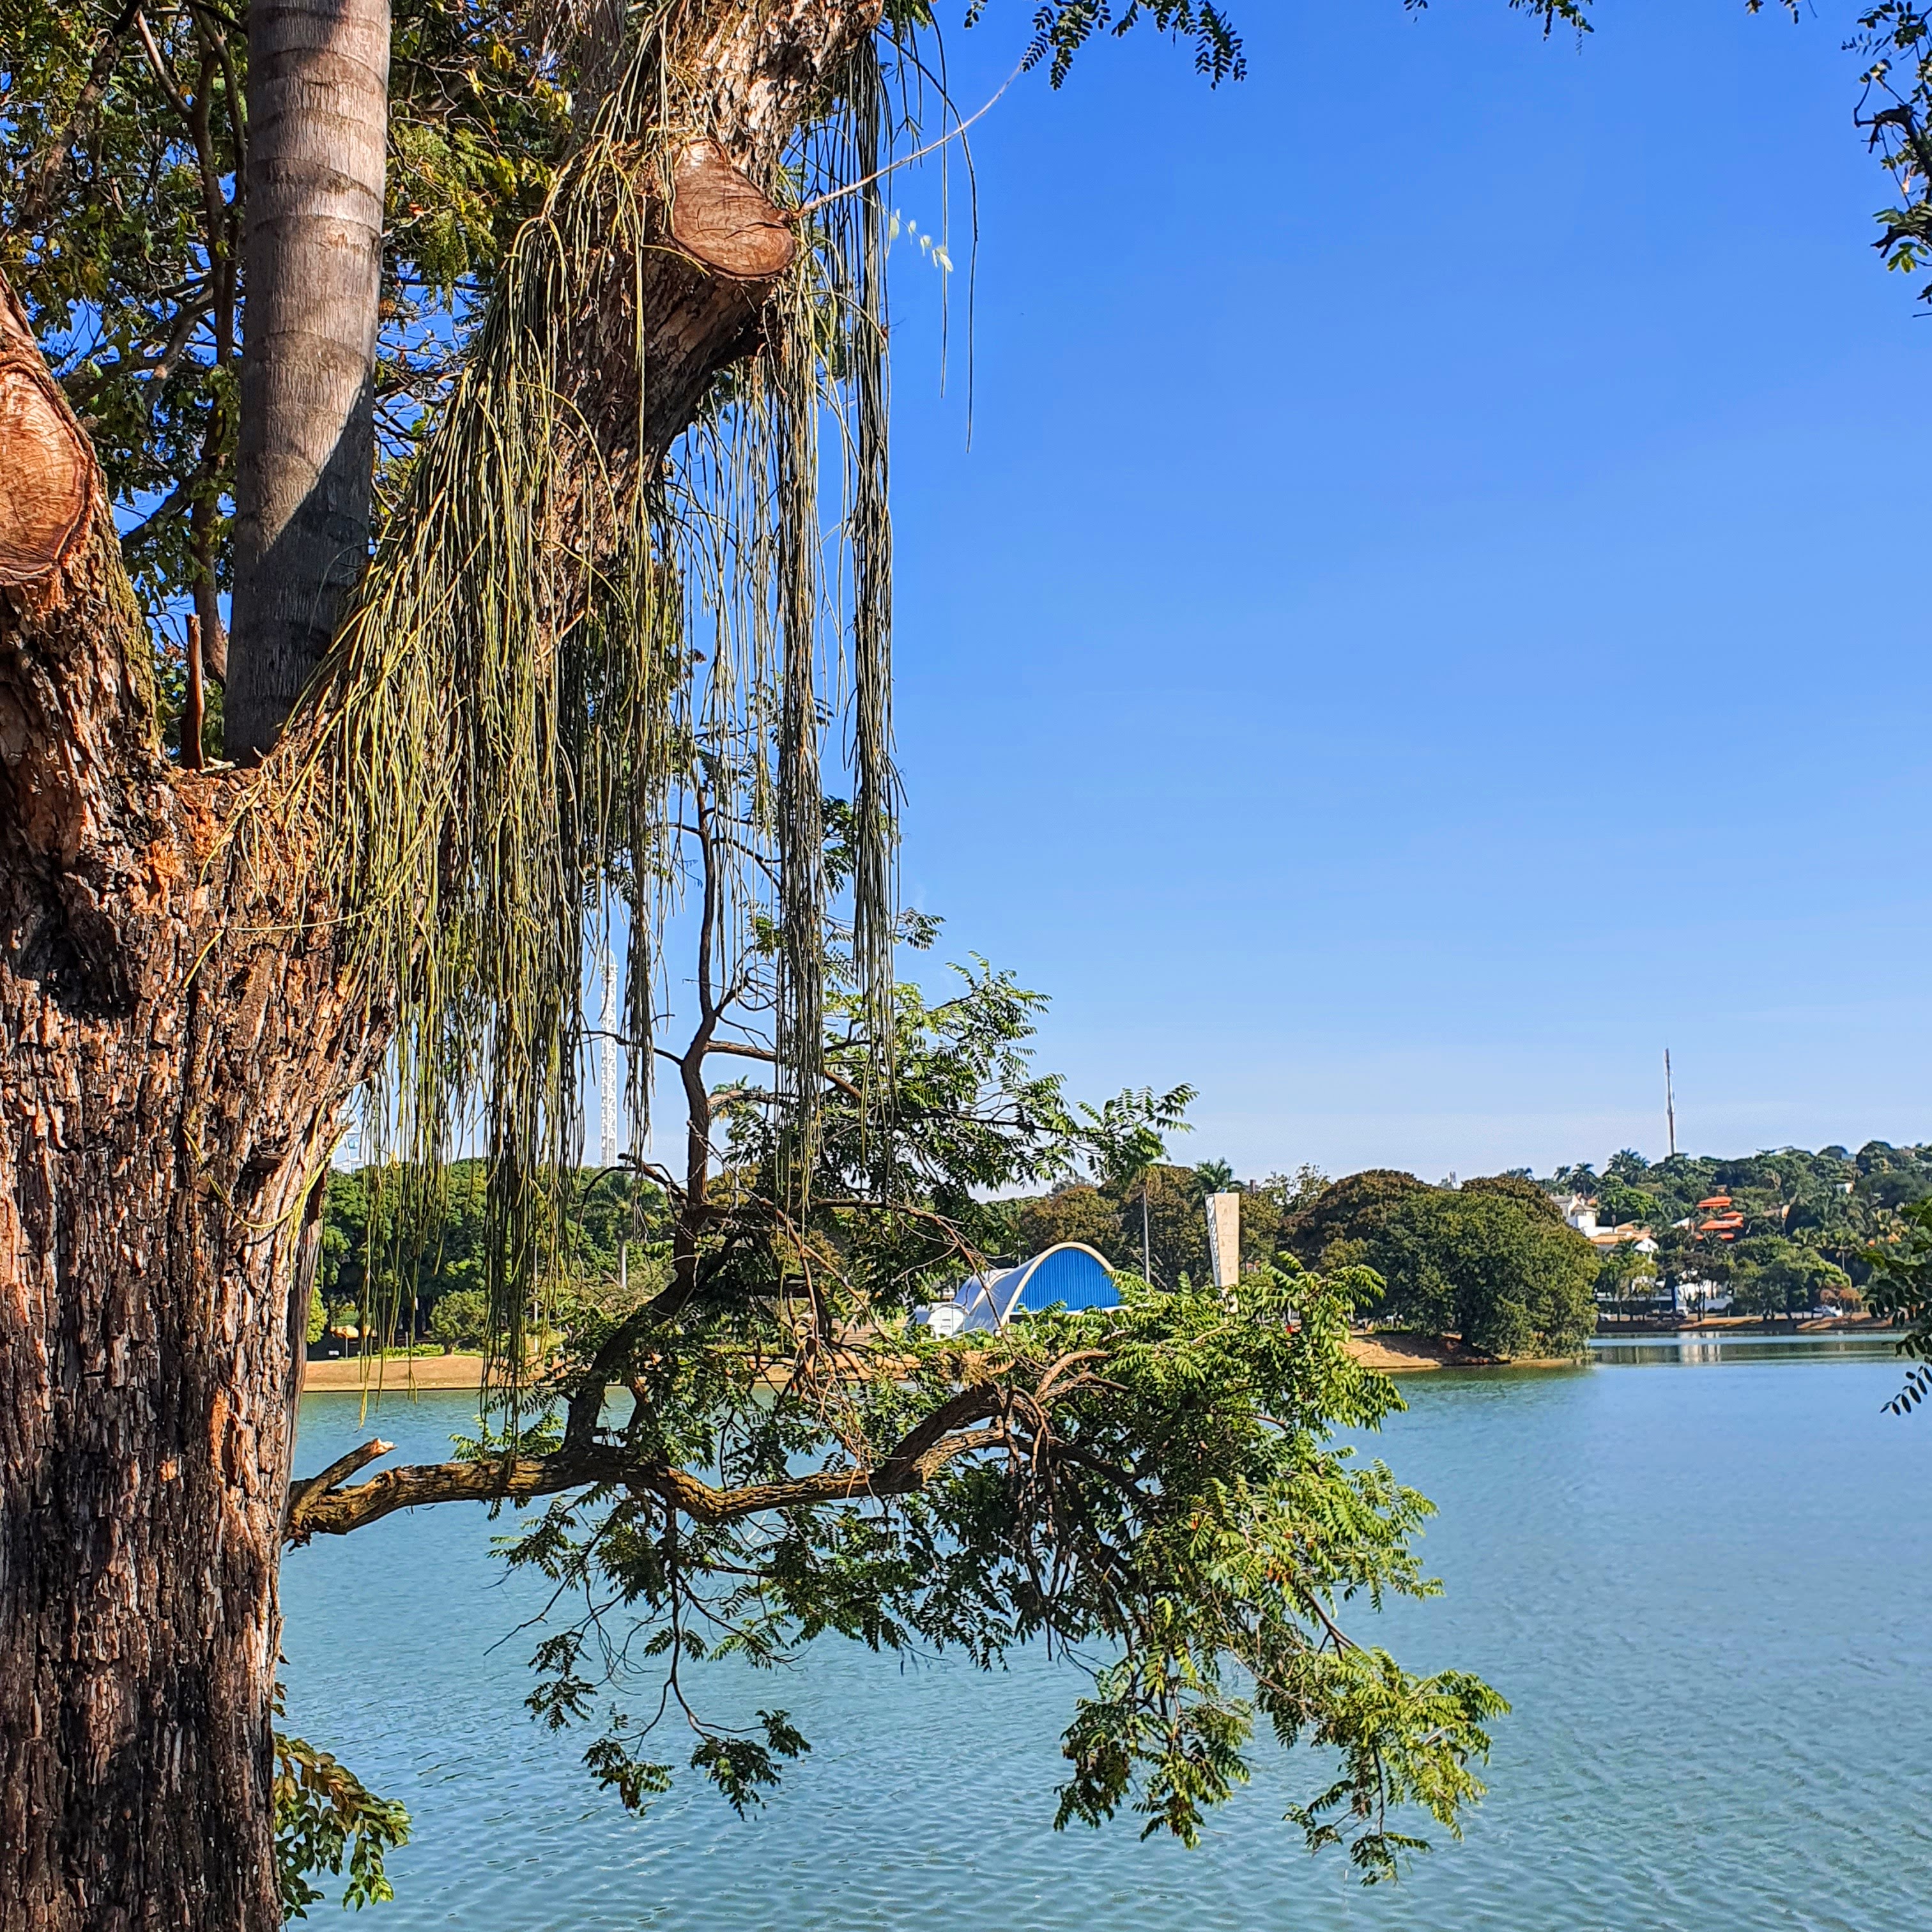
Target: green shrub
460	1319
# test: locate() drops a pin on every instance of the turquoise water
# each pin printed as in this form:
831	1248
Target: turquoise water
1708	1593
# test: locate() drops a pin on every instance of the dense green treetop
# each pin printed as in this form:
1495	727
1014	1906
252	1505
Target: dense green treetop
1490	1263
1349	1210
1536	1201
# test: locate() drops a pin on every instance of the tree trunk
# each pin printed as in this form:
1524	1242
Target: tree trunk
178	1037
318	96
175	1060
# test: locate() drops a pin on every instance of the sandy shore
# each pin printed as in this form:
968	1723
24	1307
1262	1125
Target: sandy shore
1392	1354
399	1373
1759	1324
1412	1354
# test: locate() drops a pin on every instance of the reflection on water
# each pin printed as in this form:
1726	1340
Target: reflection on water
1705	1595
1701	1350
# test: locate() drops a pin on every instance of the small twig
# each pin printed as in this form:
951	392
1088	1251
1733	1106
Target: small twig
906	160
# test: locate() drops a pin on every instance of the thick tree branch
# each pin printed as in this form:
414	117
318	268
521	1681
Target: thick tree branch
318	1505
338	1472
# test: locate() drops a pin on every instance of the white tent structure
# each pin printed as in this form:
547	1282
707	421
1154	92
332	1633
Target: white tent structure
1071	1273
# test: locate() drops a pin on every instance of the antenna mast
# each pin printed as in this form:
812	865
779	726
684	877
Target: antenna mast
607	1084
1670	1104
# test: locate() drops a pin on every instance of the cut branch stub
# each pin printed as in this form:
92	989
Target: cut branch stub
47	469
720	217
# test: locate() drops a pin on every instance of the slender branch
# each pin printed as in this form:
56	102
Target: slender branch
745	1050
81	389
238	103
44	173
178	499
1337	1636
216	213
175	99
688	1232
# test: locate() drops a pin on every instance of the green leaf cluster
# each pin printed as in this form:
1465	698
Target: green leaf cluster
1894	39
1901	1288
325	1816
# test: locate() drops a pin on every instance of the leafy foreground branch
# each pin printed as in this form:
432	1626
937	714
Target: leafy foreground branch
1900	1291
325	1815
1154	1493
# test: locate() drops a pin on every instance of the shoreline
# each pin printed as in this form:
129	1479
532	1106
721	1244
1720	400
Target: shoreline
400	1374
1390	1353
1755	1324
1395	1354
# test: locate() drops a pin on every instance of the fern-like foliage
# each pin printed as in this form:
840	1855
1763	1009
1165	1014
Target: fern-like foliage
1061	28
326	1816
1900	1290
1895	39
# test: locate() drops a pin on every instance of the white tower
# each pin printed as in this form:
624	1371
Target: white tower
1224	1236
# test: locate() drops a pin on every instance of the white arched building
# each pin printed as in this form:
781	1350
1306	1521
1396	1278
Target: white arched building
1071	1273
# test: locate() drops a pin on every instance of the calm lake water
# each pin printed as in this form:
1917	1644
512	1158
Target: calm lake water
1701	1574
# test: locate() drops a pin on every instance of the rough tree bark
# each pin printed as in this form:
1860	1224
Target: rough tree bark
318	103
179	1037
173	1070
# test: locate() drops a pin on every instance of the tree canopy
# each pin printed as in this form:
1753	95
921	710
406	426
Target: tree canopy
1806	1221
1490	1263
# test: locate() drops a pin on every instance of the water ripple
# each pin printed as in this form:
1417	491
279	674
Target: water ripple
1704	1594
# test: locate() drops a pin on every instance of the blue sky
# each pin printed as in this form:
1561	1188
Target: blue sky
1426	618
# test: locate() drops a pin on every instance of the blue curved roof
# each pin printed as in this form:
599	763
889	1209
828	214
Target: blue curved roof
1071	1273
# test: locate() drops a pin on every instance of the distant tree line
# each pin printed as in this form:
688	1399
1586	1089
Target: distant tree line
1152	1220
1809	1225
1492	1263
404	1257
1489	1263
